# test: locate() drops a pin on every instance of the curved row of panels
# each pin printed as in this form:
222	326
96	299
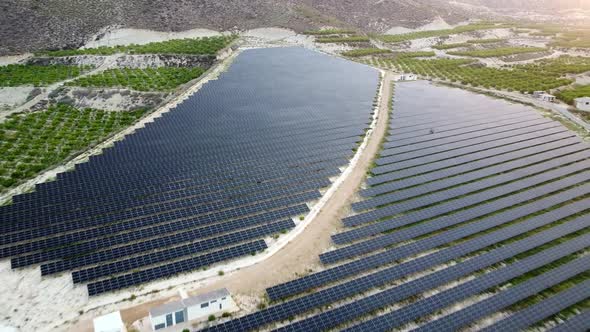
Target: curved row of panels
477	216
237	162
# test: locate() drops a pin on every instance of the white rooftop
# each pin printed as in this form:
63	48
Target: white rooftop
109	323
583	99
171	307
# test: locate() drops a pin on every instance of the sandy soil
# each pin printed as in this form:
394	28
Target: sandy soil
140	36
300	255
437	24
11	59
14	96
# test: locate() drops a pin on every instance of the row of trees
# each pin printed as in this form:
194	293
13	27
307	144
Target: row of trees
524	78
498	52
17	75
440	33
365	51
577	91
194	46
149	79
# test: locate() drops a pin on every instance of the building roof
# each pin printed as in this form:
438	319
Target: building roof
206	297
108	323
171	307
167	308
583	99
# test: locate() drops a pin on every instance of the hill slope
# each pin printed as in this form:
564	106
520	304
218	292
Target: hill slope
29	25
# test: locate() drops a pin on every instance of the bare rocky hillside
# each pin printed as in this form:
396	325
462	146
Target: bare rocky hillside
29	25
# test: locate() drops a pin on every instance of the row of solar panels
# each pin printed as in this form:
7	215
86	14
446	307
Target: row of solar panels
469	214
206	182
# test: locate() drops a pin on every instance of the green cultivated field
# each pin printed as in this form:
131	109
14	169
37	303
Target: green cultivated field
498	52
542	75
329	32
32	142
486	41
17	75
149	79
578	91
438	33
353	39
450	46
418	54
196	46
365	51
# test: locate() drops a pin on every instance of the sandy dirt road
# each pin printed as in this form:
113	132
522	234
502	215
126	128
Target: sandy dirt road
301	254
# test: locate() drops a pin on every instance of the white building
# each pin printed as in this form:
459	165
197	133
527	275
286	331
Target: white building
109	323
405	77
544	96
583	104
191	308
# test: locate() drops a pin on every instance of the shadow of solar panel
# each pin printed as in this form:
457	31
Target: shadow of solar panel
390	256
579	323
159	272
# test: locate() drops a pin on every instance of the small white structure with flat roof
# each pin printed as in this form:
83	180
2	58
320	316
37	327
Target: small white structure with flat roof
583	104
405	77
191	308
544	96
109	323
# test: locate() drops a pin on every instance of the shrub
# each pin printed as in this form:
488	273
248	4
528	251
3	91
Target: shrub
211	318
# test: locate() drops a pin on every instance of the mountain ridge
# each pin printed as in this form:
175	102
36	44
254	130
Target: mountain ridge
32	25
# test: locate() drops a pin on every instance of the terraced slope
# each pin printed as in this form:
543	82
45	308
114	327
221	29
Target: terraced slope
476	208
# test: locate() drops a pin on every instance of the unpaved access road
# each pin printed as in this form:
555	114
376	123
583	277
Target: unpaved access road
302	253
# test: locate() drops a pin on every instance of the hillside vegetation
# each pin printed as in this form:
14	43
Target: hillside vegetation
438	33
32	142
149	79
498	52
577	91
18	75
205	45
541	75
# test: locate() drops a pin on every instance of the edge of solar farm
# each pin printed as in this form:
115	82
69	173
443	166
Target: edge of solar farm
258	245
443	241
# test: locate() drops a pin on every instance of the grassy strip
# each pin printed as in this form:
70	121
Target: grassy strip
195	46
32	142
17	75
324	32
497	52
354	39
577	91
149	79
365	51
438	33
450	46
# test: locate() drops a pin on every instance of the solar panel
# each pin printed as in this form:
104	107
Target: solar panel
510	296
330	319
579	323
543	309
341	271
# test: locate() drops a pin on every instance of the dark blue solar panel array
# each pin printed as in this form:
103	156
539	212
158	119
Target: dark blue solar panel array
464	184
207	181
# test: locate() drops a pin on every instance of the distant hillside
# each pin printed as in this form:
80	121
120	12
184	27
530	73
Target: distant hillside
29	25
539	5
